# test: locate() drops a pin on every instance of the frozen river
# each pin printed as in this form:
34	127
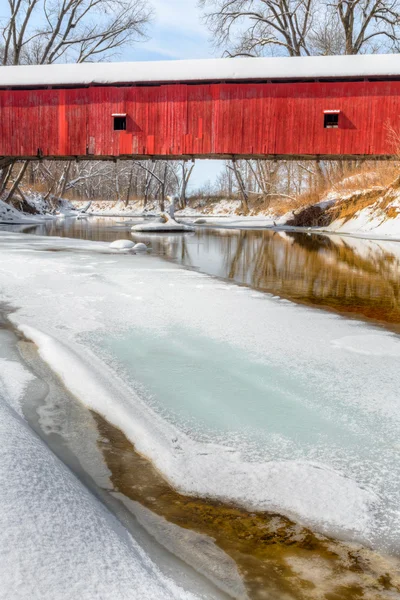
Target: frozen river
233	393
354	276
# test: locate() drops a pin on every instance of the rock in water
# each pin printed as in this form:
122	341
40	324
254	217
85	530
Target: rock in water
122	245
199	221
140	247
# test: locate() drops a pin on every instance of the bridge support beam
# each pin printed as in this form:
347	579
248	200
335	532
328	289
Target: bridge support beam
6	161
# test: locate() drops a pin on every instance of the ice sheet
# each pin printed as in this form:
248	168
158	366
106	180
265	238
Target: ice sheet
57	541
232	394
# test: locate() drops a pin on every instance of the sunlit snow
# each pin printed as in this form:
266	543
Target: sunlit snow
236	395
57	541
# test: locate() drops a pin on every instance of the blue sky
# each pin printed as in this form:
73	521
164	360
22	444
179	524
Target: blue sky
177	32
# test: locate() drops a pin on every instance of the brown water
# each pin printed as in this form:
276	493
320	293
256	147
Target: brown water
360	278
277	558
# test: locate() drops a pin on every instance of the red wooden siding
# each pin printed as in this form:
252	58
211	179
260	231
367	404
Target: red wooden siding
201	120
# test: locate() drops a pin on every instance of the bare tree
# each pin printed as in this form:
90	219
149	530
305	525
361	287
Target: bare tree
368	25
235	168
256	27
182	175
18	179
303	27
47	31
327	37
6	166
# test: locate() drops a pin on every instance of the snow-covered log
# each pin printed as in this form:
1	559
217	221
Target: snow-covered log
165	223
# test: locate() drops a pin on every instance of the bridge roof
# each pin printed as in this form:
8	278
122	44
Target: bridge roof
210	70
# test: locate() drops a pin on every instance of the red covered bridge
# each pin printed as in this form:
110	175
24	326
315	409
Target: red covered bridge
318	107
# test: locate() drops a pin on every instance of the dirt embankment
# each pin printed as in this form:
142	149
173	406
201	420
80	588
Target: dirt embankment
374	207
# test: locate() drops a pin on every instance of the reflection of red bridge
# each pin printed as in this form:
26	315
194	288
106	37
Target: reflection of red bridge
320	107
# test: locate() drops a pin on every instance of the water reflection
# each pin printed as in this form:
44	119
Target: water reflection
355	276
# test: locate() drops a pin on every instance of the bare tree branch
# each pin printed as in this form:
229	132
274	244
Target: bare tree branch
44	31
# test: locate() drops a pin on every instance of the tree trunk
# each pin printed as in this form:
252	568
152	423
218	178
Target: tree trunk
65	179
129	186
18	180
163	186
147	189
321	175
116	181
5	177
245	197
185	182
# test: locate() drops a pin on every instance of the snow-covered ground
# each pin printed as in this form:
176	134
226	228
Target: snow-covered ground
220	214
233	394
11	216
135	208
371	222
58	542
116	209
359	207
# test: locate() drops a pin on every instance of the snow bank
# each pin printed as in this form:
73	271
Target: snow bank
372	221
58	542
114	209
215	69
368	224
11	215
371	211
204	207
165	223
233	222
122	245
220	208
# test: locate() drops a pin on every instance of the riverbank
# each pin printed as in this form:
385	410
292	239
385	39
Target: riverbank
59	540
272	553
364	204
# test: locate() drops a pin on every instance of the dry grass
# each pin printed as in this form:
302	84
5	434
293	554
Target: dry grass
370	174
347	208
374	183
280	205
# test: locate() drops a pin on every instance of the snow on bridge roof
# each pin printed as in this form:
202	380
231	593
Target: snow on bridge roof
220	69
